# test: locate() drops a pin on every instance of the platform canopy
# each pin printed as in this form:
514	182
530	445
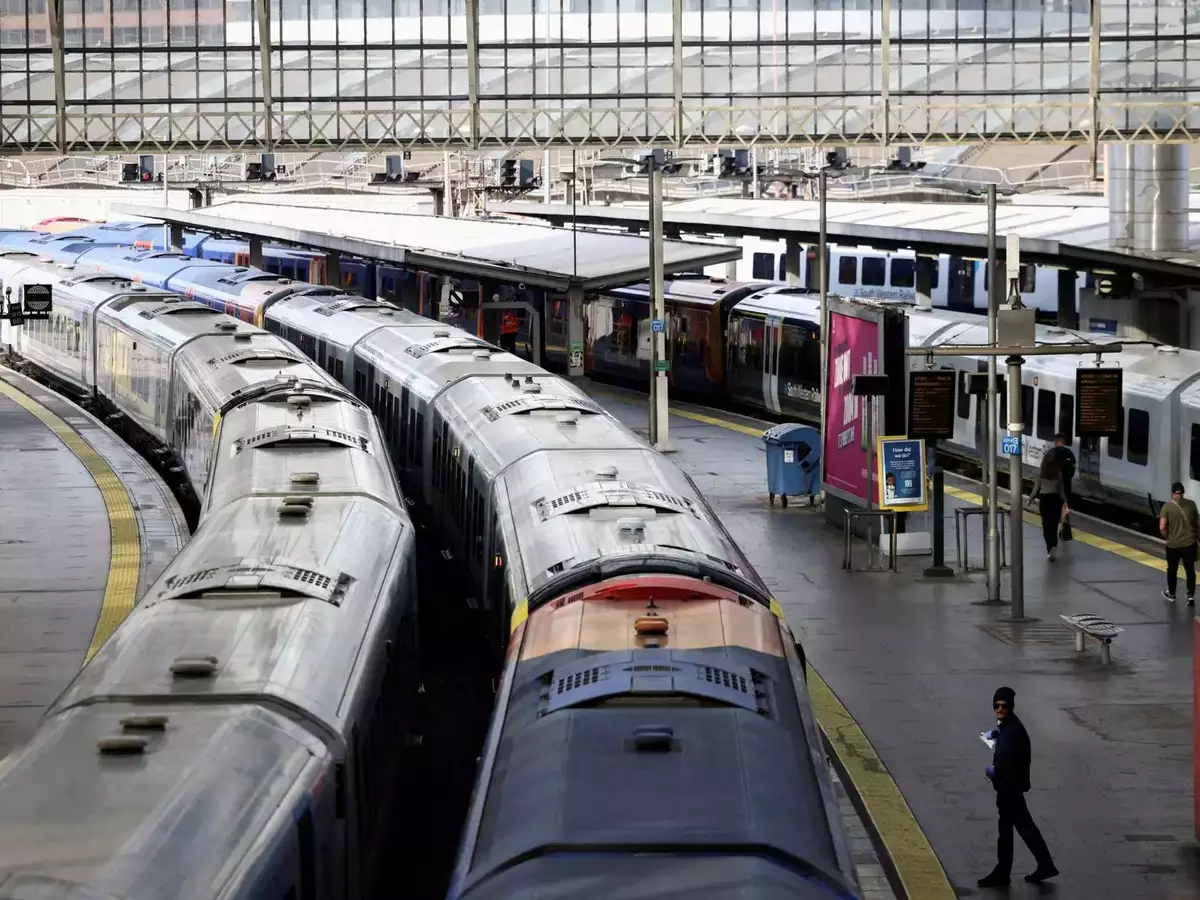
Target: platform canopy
509	252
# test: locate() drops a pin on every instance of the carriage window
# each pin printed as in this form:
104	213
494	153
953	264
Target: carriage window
1116	445
873	271
903	273
1045	415
1195	454
763	266
1066	417
1139	437
848	270
1027	408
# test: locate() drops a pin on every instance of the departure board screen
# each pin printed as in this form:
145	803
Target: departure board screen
931	404
1098	402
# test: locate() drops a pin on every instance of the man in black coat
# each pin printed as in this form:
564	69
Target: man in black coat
1066	461
1009	773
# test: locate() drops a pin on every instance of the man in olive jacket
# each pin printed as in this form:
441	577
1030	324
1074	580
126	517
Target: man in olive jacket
1009	773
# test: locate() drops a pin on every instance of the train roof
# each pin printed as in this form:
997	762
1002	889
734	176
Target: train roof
148	266
170	821
343	320
285	605
428	358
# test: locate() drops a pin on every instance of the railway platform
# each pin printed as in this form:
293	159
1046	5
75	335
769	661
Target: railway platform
86	526
904	669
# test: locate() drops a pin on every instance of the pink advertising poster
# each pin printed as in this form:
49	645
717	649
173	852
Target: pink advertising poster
853	350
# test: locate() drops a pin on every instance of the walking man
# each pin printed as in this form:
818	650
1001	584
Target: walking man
1009	773
1066	461
1177	521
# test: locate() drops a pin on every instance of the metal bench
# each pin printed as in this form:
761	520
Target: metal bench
1101	629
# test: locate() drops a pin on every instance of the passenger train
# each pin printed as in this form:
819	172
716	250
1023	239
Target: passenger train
237	735
644	665
757	344
958	283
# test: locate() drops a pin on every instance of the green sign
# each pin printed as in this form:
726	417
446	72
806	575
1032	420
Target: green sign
662	365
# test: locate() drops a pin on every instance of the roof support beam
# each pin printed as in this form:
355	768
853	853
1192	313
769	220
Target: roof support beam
473	68
264	63
677	68
55	10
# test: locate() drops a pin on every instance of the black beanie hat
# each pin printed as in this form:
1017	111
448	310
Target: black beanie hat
1007	694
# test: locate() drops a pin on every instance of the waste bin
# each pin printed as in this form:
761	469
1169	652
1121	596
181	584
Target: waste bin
793	461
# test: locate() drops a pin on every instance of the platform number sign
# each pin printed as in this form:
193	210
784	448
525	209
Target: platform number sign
36	301
658	326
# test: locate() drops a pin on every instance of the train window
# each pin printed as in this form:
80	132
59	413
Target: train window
1139	437
1066	417
1027	408
847	270
903	273
874	271
1116	445
1045	415
763	266
964	396
1195	453
337	369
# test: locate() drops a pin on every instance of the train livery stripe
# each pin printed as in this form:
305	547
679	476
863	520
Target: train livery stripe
1092	540
920	874
120	591
520	614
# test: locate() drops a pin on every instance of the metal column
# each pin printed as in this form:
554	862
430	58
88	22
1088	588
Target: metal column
472	9
264	62
333	268
1016	521
575	331
823	292
792	261
659	360
547	179
58	60
677	67
256	252
993	412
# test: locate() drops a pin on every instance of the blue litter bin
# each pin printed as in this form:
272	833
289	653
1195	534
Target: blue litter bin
793	461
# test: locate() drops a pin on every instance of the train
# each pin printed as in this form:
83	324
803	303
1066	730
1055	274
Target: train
234	738
756	345
236	735
958	282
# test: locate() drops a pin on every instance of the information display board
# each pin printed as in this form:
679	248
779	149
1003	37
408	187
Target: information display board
931	404
1098	411
902	474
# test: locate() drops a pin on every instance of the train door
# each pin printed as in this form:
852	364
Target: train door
960	291
322	349
241	258
316	270
772	336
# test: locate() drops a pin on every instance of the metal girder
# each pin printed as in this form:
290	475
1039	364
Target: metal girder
1082	118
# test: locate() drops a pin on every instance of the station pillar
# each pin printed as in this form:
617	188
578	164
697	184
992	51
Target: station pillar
792	262
575	331
256	252
176	231
333	270
370	289
1068	311
926	268
731	266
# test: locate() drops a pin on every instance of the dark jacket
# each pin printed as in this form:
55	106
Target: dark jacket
1066	460
1012	756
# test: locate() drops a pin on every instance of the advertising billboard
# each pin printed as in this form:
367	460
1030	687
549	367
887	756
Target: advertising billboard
853	350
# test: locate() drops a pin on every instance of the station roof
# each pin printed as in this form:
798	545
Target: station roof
1054	230
509	252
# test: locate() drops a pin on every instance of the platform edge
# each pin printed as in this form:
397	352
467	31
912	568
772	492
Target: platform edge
907	857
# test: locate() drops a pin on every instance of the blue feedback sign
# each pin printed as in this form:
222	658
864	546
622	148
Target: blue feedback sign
1010	446
658	326
902	474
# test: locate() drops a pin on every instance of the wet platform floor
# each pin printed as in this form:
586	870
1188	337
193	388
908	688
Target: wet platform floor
916	661
62	587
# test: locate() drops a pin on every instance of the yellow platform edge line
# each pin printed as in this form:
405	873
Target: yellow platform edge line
120	590
917	867
1092	540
